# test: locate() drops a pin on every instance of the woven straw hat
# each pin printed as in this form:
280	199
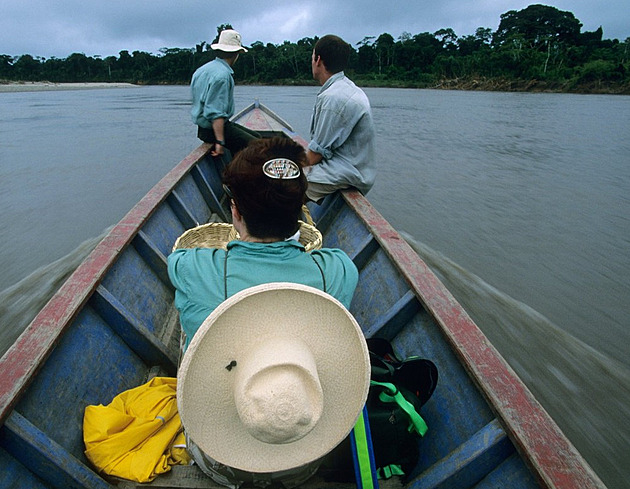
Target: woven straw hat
229	41
275	378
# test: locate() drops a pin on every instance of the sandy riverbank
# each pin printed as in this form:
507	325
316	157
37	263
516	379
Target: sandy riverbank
43	86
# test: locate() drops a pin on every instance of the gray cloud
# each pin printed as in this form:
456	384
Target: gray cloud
60	28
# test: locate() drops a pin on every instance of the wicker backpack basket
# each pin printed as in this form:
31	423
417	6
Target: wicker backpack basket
219	234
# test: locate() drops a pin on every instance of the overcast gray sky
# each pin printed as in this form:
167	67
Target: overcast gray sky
58	28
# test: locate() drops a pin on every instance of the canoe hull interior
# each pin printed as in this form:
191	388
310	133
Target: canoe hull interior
113	323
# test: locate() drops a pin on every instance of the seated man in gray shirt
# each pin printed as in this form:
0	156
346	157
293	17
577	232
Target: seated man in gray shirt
341	151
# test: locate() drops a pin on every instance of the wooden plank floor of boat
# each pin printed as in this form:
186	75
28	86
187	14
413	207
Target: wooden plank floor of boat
191	477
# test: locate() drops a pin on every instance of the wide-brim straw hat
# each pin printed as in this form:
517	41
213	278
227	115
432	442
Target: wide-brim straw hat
219	234
229	41
274	378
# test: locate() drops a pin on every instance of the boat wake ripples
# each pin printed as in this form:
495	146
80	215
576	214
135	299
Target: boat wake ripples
566	375
21	302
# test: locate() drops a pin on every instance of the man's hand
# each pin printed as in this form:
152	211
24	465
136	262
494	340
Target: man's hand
312	158
217	150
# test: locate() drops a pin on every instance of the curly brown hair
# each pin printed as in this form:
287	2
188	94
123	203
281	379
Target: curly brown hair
270	207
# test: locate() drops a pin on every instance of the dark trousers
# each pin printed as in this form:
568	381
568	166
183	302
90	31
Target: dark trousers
236	136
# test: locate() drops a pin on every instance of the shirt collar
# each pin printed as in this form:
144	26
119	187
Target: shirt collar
222	61
275	245
331	80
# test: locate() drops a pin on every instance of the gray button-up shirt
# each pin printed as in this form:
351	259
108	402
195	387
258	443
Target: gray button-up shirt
342	131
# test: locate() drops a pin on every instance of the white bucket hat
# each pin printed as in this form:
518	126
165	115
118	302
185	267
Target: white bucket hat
275	378
229	41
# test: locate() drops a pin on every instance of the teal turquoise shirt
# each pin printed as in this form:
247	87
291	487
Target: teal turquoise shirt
212	89
342	131
198	275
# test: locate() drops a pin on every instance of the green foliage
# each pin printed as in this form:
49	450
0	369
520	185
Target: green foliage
533	46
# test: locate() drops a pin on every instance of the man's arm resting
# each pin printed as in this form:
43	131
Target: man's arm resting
218	126
312	158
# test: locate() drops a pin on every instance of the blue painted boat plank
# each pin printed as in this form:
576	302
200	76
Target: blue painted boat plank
212	169
469	463
46	458
188	196
456	410
140	290
135	334
324	214
181	210
64	386
191	194
391	323
512	473
163	228
347	232
379	289
14	475
213	200
150	253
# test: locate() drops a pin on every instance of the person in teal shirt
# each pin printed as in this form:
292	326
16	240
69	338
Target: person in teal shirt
212	90
265	213
267	188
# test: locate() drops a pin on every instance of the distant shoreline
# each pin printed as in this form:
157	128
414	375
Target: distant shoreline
487	85
49	86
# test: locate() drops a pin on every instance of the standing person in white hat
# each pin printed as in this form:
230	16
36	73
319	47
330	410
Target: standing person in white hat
212	88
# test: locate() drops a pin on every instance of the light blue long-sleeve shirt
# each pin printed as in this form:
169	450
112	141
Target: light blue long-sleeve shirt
212	89
198	275
342	131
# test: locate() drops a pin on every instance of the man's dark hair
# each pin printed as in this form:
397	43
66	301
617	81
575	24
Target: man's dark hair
225	54
334	52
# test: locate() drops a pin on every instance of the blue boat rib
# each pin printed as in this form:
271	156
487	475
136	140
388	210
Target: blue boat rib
182	212
45	457
131	330
150	253
400	314
470	463
212	200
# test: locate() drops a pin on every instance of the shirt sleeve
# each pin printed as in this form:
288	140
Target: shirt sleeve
330	130
175	272
341	274
216	103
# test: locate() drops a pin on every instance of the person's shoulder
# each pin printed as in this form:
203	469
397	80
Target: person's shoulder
332	255
189	255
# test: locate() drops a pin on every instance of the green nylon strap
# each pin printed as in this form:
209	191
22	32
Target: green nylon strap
362	444
389	471
416	424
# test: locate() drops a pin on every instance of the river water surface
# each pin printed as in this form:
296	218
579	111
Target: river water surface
519	202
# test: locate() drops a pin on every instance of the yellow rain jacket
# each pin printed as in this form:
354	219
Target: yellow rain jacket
139	434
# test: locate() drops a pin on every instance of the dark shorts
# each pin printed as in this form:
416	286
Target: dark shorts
236	136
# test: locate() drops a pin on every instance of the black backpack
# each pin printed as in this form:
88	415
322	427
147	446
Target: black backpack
395	437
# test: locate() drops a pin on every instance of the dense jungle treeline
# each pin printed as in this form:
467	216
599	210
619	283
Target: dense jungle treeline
537	48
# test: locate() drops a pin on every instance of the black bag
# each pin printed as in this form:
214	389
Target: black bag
393	443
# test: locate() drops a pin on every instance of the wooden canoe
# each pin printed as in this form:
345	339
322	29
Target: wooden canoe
113	322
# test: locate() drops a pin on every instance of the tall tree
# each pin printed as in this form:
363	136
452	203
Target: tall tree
538	25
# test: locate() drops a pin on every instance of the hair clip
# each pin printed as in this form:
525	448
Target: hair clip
281	168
